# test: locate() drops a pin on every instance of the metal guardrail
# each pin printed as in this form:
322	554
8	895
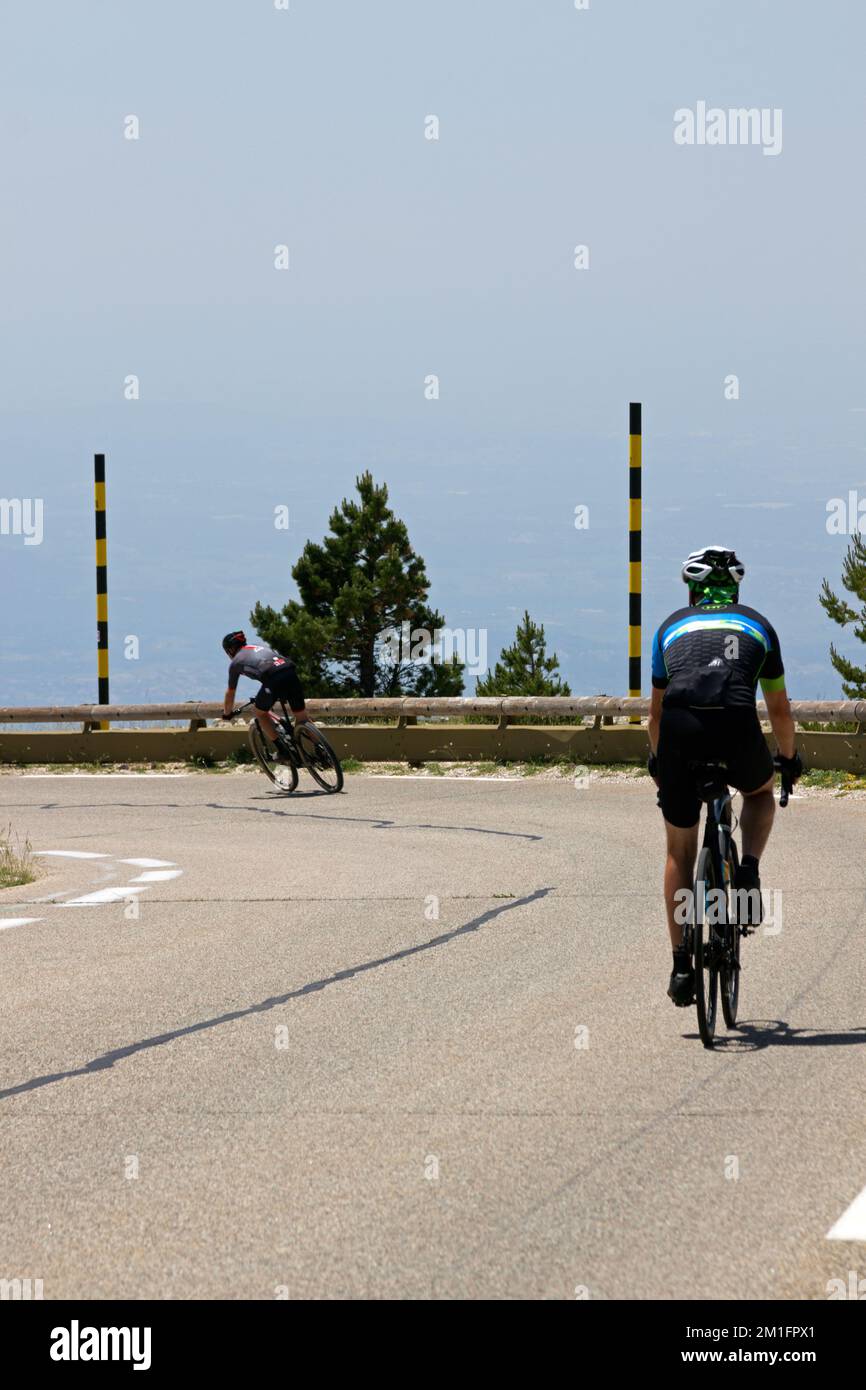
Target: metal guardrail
505	707
590	729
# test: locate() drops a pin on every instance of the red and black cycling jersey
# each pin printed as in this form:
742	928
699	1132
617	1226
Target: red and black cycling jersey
712	656
259	663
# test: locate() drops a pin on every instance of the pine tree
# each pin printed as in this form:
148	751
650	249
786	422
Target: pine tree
363	582
524	668
854	580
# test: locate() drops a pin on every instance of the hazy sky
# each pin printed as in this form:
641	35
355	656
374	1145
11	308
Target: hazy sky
410	257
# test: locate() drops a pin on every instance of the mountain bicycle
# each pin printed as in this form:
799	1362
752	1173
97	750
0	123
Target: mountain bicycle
713	935
297	748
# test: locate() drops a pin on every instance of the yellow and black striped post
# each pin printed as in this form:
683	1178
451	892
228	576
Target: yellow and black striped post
101	582
634	532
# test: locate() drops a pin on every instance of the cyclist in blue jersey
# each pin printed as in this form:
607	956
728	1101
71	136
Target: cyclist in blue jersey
279	680
707	660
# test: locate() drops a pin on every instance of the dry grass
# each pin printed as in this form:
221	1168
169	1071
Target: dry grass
16	860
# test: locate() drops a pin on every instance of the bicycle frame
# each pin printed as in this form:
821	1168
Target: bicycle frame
713	933
718	828
719	820
285	722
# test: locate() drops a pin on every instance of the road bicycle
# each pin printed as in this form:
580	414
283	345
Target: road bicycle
713	935
298	747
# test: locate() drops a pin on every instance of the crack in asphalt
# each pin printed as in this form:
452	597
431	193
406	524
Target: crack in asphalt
108	1059
377	822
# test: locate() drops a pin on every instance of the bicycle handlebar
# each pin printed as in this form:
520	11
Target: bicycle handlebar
787	781
787	788
238	709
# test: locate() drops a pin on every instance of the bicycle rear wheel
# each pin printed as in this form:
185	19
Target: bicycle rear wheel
319	758
706	946
283	775
730	972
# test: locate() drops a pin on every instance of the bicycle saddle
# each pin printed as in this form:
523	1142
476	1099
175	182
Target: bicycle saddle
712	779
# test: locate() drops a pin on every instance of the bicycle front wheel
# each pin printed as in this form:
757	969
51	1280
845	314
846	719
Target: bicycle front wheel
730	972
283	775
319	758
707	933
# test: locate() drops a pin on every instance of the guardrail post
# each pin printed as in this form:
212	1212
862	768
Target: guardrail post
502	724
403	722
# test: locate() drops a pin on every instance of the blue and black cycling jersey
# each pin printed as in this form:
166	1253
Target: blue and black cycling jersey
712	656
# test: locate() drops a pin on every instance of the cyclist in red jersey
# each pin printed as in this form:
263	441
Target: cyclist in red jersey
279	681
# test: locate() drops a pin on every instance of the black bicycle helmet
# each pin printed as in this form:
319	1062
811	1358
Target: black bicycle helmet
233	641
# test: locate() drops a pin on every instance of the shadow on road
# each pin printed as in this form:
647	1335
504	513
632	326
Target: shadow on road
108	1059
296	795
378	823
760	1033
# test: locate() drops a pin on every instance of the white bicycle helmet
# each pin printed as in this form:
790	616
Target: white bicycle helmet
713	564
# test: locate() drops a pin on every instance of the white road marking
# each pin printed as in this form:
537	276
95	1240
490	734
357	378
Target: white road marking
51	897
156	871
150	863
72	853
103	895
852	1223
157	875
115	776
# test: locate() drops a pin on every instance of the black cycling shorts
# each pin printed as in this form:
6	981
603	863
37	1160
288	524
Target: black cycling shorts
281	684
730	736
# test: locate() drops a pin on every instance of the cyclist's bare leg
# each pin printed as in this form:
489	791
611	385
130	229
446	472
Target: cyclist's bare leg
301	716
756	818
267	722
679	873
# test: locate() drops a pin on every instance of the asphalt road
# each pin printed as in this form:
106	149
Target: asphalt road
413	1041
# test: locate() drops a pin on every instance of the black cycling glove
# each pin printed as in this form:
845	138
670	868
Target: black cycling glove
793	767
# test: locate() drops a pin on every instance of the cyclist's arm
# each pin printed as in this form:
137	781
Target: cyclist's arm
235	673
654	718
660	681
781	719
772	678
